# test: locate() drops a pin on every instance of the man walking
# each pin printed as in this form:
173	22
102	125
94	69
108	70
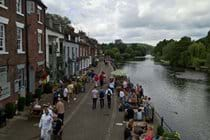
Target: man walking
46	124
101	96
70	88
94	97
109	97
60	109
57	126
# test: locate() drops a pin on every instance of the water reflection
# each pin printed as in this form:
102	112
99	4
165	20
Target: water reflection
187	94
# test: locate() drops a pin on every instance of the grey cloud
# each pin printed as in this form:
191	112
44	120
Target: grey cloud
137	20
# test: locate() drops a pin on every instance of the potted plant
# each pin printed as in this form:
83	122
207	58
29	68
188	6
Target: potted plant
160	131
38	93
10	110
171	135
28	99
48	88
21	103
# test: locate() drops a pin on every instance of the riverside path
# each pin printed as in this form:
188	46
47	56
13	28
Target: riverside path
81	122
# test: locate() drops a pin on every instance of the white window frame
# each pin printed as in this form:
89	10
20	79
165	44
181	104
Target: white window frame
4	21
2	37
2	2
2	5
20	81
5	93
39	13
20	27
19	7
30	7
39	41
20	40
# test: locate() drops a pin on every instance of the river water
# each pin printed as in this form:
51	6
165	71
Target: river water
183	100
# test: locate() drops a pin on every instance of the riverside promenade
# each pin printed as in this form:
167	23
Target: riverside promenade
81	122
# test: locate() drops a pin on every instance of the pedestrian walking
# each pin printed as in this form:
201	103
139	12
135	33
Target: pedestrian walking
57	126
109	97
94	97
70	88
45	124
112	84
101	78
65	94
60	109
101	96
96	79
55	95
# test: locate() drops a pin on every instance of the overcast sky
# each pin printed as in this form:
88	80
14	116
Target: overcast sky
146	21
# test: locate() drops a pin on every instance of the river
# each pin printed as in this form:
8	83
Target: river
183	100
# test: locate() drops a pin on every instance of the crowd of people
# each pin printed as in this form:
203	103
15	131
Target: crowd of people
102	91
132	101
138	111
52	120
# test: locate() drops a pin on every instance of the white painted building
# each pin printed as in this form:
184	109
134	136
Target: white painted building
54	51
71	58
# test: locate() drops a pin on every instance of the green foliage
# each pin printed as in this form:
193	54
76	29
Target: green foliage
48	88
28	99
208	61
160	131
123	52
184	53
38	93
171	135
21	103
10	110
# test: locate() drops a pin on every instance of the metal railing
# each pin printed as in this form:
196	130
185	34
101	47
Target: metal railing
158	120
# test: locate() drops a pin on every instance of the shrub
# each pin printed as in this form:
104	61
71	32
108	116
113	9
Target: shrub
160	130
21	103
38	93
48	88
171	135
28	99
10	110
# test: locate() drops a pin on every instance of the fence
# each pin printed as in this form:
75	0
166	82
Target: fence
158	120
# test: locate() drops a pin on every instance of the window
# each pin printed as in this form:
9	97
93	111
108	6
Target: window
40	42
20	78
21	81
39	15
19	40
19	6
2	2
30	7
2	37
4	85
50	49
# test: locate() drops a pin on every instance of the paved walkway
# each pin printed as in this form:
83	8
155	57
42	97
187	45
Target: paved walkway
81	122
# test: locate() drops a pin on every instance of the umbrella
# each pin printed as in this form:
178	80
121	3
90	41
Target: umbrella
118	73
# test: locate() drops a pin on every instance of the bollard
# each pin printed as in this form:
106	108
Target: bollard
161	121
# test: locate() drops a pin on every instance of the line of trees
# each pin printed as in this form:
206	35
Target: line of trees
185	52
123	52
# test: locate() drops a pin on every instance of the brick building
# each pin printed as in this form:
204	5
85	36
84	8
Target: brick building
36	42
12	50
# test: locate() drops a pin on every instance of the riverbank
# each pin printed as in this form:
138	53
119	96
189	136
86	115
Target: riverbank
181	69
184	104
134	103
